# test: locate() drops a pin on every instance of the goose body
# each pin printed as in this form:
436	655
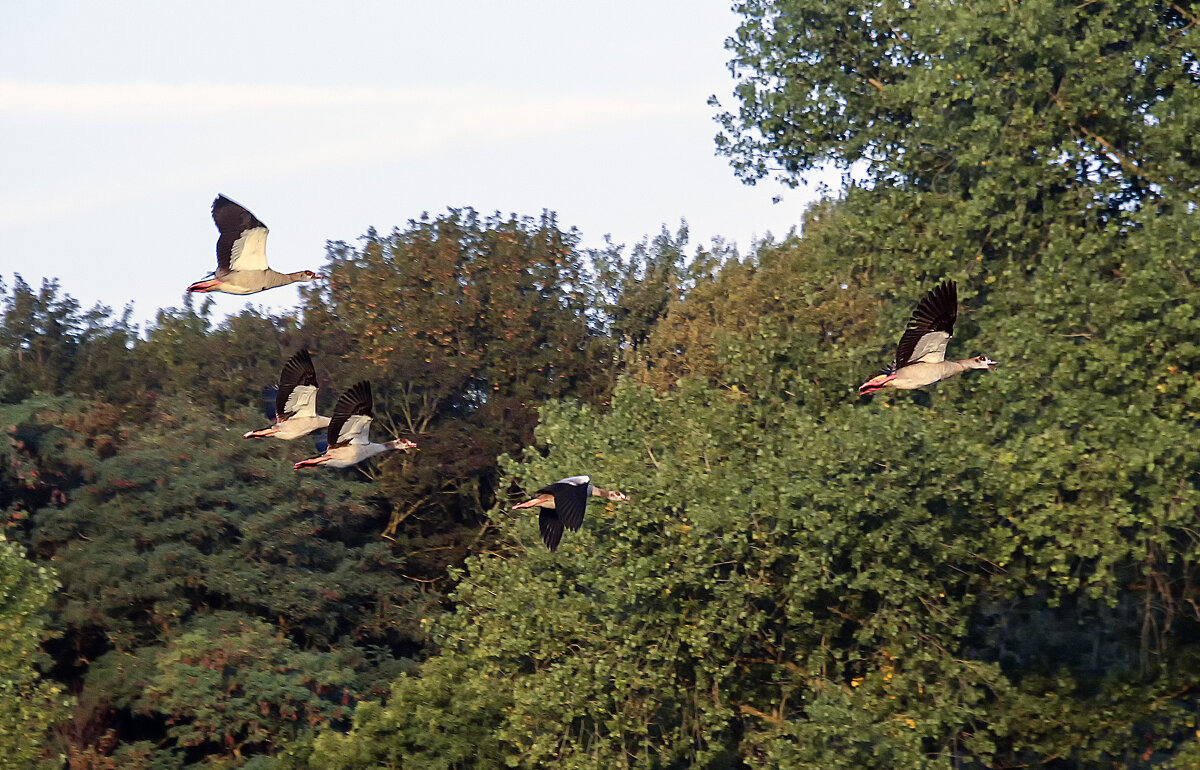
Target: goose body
242	254
350	430
294	410
921	354
562	505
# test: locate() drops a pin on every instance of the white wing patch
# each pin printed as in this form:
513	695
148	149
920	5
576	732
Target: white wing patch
930	349
355	430
576	481
302	402
250	251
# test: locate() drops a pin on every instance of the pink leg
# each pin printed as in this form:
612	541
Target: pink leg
532	503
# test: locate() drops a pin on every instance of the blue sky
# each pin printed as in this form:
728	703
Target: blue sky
121	121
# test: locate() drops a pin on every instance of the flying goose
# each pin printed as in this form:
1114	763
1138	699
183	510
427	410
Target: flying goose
920	357
242	254
294	412
349	429
562	503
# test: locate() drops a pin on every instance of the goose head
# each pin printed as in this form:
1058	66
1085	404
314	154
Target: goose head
400	443
980	362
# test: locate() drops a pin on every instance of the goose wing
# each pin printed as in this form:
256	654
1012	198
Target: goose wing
297	387
551	528
570	499
351	421
270	395
932	323
242	244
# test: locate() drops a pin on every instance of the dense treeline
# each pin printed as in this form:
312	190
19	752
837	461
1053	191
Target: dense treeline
997	572
217	604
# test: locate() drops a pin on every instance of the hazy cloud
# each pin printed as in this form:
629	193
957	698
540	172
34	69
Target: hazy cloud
164	101
212	133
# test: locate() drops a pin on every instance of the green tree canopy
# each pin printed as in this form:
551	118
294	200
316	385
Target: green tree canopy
464	324
29	704
124	467
1017	100
997	572
993	574
180	534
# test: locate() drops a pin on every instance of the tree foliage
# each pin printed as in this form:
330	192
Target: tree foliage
996	572
125	469
464	323
231	681
999	572
972	98
186	536
789	302
29	704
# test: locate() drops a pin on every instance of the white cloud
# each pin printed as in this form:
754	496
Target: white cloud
171	101
150	101
209	134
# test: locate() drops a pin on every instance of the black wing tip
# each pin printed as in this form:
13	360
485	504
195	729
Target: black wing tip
299	369
551	529
362	391
232	217
946	291
937	309
356	400
300	357
221	202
